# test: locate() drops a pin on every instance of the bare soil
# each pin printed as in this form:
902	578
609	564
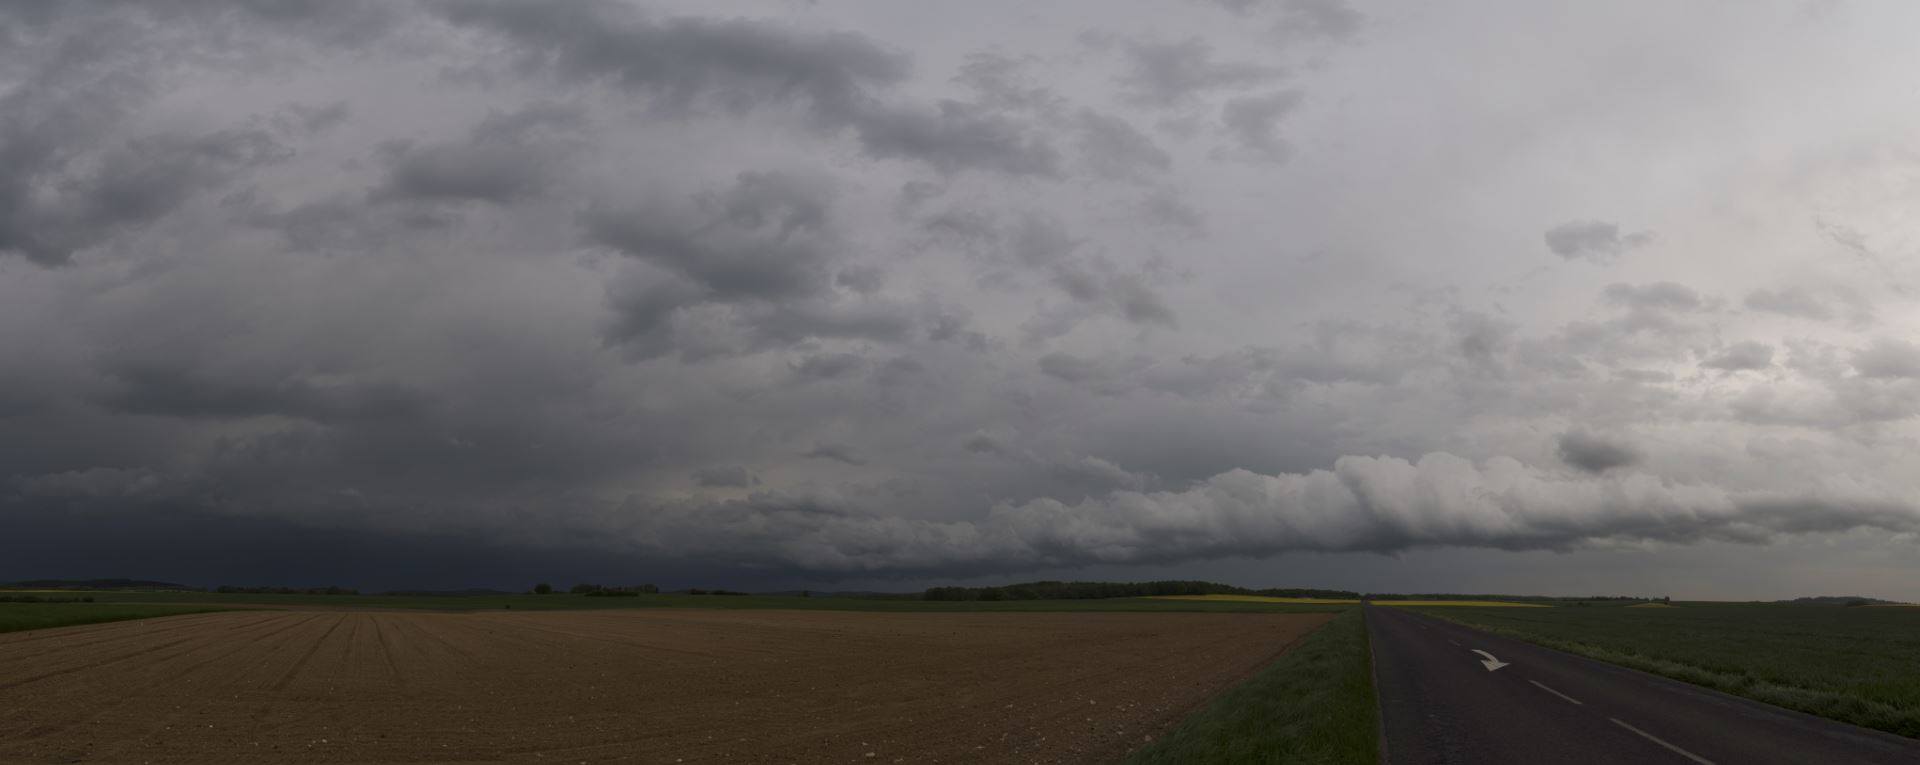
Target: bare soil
664	686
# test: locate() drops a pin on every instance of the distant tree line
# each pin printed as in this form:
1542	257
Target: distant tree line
1094	590
228	589
603	591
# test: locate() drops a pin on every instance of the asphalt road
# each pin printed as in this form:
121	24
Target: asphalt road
1439	703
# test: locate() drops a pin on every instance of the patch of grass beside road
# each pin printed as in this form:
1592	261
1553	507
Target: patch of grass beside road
15	617
1857	665
1314	705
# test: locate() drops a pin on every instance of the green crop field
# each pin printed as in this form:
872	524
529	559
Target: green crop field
1315	704
15	617
1857	664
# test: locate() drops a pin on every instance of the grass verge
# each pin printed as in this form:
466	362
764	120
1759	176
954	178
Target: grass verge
1314	705
15	617
1856	665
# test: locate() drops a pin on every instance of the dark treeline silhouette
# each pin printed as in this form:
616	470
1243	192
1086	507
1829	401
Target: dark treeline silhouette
1094	590
1838	600
603	591
93	584
229	589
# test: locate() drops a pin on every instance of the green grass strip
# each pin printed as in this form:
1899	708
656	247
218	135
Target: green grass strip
1313	705
15	617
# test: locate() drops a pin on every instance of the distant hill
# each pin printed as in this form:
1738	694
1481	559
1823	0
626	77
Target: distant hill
94	584
471	591
1839	600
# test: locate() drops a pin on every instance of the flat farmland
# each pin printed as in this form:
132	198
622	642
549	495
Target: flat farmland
655	685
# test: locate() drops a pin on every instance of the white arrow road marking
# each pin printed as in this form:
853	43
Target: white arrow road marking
1490	662
1676	750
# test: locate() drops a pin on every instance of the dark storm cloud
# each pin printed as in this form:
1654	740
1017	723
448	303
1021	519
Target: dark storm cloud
1741	356
1164	75
828	366
1043	244
1253	125
1593	453
953	136
1888	358
1170	211
1482	339
505	157
766	236
173	392
1069	368
689	64
605	289
1332	20
982	443
75	176
1110	147
1007	82
725	476
53	208
1790	301
1658	296
862	279
1096	283
840	453
1597	241
760	252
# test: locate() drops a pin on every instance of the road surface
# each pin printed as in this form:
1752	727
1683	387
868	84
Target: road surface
1451	694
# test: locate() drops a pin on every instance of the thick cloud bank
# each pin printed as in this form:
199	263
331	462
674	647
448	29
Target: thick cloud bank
1363	504
783	290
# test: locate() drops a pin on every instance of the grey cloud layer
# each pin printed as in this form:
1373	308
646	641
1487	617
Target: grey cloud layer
822	292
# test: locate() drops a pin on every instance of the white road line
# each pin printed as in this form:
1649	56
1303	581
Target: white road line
1570	699
1651	737
1455	642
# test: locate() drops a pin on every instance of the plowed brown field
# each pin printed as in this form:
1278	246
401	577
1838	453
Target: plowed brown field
622	686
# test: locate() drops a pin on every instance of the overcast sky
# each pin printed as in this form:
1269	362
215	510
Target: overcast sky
1541	297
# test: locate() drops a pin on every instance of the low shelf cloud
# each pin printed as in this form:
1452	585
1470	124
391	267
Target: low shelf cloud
799	293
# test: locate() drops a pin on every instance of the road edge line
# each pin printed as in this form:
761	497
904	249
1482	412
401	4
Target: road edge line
1570	699
1656	739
